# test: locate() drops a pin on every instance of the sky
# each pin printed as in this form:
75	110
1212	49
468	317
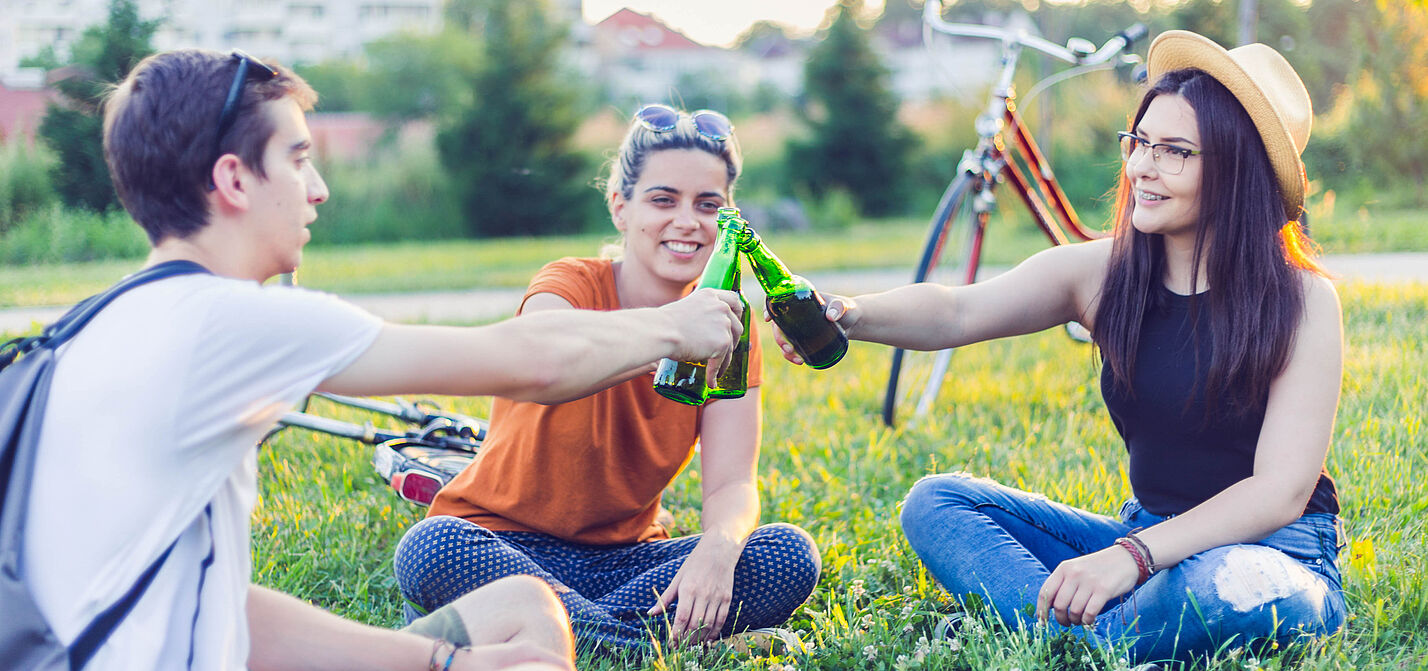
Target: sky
719	22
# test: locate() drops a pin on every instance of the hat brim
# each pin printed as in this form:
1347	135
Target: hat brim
1181	49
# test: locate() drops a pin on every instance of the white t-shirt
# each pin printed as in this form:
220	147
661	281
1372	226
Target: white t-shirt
154	414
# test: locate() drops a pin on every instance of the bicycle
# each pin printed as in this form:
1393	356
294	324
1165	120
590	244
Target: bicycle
1005	152
417	462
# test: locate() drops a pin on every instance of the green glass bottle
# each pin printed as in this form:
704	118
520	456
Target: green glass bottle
684	381
795	306
733	381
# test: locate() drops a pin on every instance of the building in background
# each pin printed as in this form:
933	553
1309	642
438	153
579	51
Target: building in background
292	31
630	56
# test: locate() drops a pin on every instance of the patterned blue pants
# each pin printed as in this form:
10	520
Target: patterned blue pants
606	588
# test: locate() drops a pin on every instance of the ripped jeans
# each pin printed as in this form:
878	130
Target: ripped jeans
981	538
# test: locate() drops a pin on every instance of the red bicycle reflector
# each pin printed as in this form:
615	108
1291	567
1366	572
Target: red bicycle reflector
416	486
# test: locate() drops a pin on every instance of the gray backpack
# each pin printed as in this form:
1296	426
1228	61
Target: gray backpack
26	640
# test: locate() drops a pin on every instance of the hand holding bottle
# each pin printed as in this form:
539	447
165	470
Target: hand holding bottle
709	323
686	380
841	310
795	306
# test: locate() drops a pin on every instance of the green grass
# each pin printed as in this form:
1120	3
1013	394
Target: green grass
470	264
1025	411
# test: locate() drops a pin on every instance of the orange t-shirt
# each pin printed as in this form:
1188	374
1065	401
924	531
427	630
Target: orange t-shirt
586	471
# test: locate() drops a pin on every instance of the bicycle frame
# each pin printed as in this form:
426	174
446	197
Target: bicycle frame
1005	152
995	160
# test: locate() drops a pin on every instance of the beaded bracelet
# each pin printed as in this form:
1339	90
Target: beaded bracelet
1140	563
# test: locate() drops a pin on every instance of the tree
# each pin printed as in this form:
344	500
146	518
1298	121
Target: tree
856	142
74	129
510	152
420	76
1372	137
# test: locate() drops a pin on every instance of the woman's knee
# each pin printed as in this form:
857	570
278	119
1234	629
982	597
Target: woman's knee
1261	591
797	552
933	496
424	552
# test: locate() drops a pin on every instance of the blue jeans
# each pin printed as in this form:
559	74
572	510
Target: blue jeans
981	538
605	588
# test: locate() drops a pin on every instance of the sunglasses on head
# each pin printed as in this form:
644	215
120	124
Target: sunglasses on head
248	68
663	119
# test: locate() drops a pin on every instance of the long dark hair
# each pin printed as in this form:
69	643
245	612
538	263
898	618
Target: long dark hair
1253	254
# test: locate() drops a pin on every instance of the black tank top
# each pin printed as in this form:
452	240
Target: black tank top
1178	460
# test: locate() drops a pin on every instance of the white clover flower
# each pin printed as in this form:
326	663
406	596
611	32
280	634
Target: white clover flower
954	645
866	622
907	589
856	589
871	652
906	611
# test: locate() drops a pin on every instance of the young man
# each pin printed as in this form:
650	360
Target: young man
157	404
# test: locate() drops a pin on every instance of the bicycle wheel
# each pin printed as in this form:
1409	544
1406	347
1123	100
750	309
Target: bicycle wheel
949	256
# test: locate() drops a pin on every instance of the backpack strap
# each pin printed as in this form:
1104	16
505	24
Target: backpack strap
54	335
67	326
99	630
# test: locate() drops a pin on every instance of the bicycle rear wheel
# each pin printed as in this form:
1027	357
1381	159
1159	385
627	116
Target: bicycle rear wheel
950	256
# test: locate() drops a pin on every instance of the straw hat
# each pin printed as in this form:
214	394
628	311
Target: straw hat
1265	85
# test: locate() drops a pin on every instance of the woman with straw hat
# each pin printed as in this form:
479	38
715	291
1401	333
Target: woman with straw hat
1222	349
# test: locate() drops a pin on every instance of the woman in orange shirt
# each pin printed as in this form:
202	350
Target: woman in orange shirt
570	492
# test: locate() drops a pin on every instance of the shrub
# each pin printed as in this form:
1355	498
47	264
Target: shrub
58	235
403	194
24	182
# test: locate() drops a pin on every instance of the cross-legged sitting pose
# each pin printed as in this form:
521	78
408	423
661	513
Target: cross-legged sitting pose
157	405
570	492
1222	349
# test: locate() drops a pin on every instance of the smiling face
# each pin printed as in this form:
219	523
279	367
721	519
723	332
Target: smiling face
284	203
669	221
1164	203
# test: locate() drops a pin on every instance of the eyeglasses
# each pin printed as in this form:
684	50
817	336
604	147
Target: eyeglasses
1168	158
663	119
247	67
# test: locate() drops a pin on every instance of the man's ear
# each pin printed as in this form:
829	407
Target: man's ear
230	180
617	211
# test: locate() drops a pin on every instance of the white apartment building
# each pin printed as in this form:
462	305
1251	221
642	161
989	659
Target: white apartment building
292	31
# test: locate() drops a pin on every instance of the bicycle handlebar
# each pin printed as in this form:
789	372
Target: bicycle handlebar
435	435
932	17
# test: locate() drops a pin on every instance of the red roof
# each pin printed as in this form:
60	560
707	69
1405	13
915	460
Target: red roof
21	111
643	32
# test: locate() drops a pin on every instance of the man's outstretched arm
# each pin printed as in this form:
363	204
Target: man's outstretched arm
547	356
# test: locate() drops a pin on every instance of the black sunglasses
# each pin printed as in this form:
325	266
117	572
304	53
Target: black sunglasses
248	67
663	119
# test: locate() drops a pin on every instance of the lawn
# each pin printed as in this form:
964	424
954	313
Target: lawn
471	264
1025	411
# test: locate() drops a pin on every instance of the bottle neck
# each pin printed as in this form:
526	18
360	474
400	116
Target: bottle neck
773	276
722	270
